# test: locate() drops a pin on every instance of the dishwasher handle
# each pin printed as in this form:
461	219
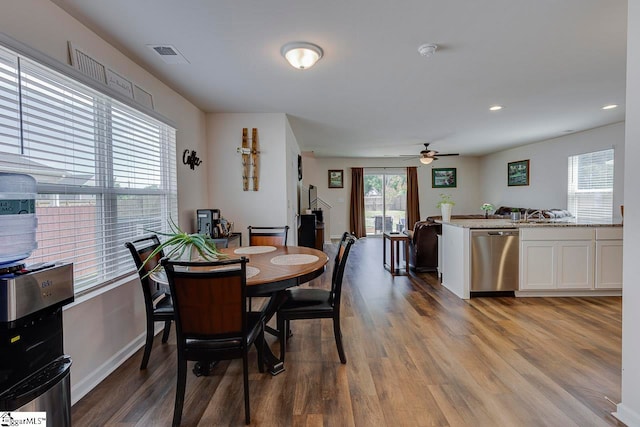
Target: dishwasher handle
502	233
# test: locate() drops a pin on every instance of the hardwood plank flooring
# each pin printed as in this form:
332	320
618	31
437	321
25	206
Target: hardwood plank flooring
417	355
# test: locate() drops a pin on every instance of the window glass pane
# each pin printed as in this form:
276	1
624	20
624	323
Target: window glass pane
590	189
106	172
385	200
9	106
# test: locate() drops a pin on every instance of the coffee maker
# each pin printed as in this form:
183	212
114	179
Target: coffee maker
208	222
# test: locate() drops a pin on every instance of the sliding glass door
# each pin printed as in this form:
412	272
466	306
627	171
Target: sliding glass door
385	200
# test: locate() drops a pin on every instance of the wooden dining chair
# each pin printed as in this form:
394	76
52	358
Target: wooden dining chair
313	303
157	301
212	322
268	236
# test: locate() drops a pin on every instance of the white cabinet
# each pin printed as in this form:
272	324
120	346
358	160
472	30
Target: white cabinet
608	259
538	265
575	264
570	259
556	264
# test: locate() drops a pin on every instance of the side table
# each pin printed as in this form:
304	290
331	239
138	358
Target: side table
395	239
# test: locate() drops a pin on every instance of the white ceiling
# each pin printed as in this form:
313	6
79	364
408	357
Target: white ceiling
552	64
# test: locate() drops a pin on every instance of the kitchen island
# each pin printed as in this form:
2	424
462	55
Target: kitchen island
555	257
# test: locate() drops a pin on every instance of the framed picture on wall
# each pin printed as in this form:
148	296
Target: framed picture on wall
336	178
518	173
443	178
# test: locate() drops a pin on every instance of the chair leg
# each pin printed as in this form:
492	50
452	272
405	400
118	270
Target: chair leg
180	389
245	374
148	344
338	335
167	330
260	348
282	335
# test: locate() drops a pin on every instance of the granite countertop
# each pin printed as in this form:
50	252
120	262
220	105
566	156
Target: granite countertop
506	223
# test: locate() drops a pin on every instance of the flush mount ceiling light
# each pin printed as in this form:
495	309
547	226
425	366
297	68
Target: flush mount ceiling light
301	55
427	50
610	106
496	108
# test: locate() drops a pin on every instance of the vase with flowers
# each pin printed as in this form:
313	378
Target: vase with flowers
445	204
487	207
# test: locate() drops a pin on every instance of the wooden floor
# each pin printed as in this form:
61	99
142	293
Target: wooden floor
416	356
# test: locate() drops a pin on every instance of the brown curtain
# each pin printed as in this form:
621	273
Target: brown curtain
413	202
356	215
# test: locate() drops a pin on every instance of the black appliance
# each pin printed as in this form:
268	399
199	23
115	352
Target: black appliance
307	231
34	371
208	221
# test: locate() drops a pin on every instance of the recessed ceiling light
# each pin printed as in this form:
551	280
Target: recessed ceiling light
610	106
496	108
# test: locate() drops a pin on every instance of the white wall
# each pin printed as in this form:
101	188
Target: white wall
466	194
266	207
548	169
101	331
293	149
629	408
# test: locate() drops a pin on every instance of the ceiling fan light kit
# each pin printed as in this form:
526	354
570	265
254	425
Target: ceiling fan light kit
301	55
426	160
427	156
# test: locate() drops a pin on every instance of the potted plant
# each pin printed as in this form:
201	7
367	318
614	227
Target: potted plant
515	214
486	207
181	245
445	204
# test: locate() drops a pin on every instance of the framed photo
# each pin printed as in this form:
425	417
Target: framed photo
443	178
336	178
518	173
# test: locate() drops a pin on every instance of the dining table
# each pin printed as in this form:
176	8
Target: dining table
270	271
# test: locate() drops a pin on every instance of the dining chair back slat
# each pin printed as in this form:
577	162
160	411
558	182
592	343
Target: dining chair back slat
268	236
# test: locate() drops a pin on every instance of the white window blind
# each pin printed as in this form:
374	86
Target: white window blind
590	192
106	172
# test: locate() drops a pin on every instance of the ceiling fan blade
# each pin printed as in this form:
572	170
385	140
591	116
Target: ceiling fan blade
451	154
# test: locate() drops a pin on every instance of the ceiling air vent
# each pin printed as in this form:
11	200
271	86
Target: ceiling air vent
168	53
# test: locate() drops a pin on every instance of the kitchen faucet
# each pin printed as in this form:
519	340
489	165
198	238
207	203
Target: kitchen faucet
531	215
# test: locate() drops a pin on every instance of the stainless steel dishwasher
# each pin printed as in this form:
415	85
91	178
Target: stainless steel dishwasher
494	260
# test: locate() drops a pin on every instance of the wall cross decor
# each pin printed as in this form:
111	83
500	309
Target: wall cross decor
250	164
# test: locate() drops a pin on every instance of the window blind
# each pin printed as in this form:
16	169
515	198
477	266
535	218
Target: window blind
590	192
106	172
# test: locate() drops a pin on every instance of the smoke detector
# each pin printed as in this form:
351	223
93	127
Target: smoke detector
427	49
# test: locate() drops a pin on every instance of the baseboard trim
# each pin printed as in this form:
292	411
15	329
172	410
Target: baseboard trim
570	293
88	383
626	415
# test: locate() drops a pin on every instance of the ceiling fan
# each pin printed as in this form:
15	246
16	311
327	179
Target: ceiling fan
427	156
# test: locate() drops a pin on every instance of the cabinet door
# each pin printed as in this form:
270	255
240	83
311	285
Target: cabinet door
609	264
538	265
575	264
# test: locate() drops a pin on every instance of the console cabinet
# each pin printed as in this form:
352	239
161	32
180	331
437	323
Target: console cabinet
310	232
